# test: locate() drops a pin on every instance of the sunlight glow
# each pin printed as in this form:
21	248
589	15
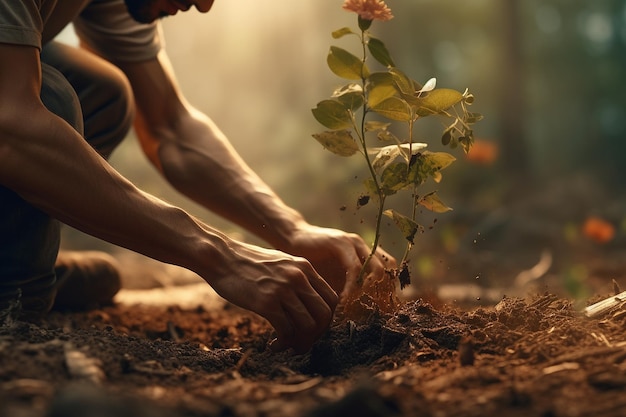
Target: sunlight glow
597	28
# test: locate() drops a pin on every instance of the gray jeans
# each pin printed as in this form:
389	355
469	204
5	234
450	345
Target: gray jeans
93	97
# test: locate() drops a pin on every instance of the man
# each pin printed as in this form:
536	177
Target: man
64	109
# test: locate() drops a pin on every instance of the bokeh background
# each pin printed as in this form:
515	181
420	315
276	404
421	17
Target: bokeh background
538	204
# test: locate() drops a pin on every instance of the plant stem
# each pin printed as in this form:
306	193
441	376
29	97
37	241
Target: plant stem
381	195
379	217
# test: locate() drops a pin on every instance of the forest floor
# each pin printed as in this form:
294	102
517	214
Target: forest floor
173	348
181	351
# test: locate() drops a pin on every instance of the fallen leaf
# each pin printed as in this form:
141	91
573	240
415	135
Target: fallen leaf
598	230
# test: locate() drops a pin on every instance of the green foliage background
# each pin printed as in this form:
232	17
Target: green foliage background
547	75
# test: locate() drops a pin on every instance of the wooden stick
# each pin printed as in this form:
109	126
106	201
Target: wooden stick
605	305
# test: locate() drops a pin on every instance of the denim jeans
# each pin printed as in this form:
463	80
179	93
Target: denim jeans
94	98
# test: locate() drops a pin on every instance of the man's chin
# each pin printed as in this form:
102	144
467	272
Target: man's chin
142	10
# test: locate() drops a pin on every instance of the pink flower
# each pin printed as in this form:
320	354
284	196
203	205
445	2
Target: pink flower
369	9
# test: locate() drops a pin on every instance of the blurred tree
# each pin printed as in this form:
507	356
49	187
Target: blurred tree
576	63
514	151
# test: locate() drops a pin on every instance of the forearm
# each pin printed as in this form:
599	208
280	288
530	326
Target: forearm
51	166
199	161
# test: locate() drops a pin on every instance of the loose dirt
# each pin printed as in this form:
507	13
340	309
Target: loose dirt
537	356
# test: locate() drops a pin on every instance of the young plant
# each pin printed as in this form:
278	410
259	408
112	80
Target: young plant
369	105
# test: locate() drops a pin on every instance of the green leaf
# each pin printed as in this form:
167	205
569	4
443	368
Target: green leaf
394	178
346	65
394	108
471	118
378	94
403	82
379	51
341	32
351	96
339	142
433	203
332	114
436	101
446	137
379	86
467	142
407	226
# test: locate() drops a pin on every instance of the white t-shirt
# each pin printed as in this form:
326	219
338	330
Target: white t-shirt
104	25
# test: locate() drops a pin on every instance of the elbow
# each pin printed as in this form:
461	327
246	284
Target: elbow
176	163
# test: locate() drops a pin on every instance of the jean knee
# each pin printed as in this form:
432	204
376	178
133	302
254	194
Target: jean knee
108	113
60	98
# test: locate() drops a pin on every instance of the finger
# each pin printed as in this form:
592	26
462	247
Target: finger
285	329
376	266
306	328
321	287
352	261
321	312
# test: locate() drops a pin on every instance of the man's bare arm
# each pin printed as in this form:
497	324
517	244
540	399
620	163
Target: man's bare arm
196	157
48	163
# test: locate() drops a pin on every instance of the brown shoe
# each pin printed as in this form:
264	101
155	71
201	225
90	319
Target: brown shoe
85	280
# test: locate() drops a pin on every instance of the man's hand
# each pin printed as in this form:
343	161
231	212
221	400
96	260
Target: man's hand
338	256
283	288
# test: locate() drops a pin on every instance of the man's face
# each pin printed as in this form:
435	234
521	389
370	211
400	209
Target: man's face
146	11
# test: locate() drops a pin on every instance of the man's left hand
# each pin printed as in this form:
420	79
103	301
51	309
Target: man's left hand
338	256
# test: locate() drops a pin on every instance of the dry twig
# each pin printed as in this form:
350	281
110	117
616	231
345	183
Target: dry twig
606	305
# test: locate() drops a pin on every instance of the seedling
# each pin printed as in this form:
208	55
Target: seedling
361	117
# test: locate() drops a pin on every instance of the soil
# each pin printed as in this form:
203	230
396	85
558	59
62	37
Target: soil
522	357
513	343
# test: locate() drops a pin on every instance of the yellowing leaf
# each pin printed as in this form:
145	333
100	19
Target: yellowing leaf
436	101
440	160
387	136
428	165
380	86
339	142
394	178
341	32
373	125
407	226
433	203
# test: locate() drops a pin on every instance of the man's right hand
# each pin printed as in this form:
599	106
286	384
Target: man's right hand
282	288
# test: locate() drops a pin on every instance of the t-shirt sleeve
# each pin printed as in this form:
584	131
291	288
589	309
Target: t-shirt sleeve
107	28
21	23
